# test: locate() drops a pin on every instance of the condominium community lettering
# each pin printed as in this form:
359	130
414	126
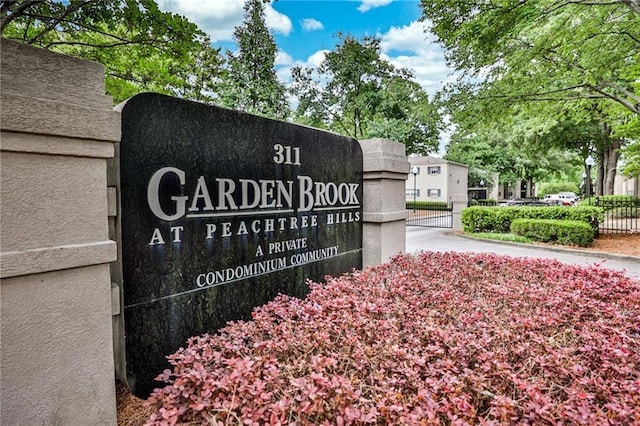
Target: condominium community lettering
223	276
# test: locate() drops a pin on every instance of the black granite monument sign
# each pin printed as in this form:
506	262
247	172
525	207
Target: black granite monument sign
221	211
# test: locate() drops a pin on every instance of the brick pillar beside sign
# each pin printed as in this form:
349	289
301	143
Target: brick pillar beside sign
58	130
385	169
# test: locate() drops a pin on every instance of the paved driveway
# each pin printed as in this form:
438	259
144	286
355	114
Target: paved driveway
443	240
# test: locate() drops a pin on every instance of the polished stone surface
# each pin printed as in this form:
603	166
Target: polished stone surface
248	182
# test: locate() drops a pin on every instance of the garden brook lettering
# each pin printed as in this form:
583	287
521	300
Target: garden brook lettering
254	195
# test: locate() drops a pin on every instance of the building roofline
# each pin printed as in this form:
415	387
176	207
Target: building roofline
427	159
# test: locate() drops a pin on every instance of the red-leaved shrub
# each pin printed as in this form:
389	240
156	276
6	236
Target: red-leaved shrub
427	339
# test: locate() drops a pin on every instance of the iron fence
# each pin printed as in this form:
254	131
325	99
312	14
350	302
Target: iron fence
430	214
481	202
621	214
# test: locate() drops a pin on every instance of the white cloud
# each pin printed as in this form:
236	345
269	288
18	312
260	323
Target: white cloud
284	74
316	59
283	58
430	72
219	18
313	61
367	5
412	37
277	21
216	18
412	47
310	24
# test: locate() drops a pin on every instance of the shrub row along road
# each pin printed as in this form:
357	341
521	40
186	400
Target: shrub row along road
443	240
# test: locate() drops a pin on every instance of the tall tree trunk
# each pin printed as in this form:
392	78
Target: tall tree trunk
355	122
611	156
610	160
599	182
608	163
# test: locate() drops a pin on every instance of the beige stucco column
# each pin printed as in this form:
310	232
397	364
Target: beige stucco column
385	169
57	131
459	202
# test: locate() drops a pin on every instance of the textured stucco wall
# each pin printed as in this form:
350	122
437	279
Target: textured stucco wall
56	333
451	181
57	132
457	182
385	169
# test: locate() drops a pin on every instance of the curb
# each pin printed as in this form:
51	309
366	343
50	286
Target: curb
612	256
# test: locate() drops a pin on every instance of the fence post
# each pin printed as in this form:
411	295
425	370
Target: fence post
385	170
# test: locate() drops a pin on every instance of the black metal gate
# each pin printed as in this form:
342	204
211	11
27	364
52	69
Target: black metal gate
621	214
430	214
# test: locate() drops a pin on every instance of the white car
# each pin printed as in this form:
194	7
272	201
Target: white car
563	198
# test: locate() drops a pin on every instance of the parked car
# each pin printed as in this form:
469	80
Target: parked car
528	202
561	199
570	194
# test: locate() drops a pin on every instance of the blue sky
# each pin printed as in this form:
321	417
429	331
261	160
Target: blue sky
316	22
305	29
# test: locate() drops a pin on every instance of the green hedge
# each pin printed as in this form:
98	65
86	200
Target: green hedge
573	232
609	202
427	205
498	219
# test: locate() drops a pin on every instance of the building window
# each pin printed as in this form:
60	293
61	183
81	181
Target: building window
415	169
433	192
433	170
412	193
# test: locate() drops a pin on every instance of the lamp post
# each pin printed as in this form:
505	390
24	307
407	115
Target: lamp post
589	162
414	172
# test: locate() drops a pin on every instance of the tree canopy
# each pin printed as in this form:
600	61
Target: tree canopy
141	47
251	84
538	65
354	91
544	50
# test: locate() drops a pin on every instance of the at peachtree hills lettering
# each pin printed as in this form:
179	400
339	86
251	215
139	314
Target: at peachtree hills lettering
255	226
244	227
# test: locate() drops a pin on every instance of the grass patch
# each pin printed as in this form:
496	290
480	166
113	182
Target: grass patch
499	237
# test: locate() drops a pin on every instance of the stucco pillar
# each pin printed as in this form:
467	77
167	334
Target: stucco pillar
385	169
57	131
459	202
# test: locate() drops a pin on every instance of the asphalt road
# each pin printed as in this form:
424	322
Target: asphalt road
444	240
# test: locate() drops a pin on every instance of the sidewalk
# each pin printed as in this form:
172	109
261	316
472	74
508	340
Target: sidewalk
443	240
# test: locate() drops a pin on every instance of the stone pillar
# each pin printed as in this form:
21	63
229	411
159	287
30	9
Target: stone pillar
459	202
57	131
385	171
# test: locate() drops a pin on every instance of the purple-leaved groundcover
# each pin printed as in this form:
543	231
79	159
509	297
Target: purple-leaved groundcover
433	338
